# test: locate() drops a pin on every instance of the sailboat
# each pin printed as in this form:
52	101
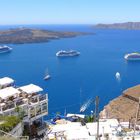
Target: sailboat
47	75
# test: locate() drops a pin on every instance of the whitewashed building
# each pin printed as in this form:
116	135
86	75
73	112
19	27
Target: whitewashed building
27	99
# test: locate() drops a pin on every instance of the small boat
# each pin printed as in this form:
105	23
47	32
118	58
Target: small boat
118	76
4	49
132	56
86	105
47	75
64	53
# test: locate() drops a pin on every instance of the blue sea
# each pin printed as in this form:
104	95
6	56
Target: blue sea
75	80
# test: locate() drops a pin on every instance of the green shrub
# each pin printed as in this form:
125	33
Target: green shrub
89	118
8	122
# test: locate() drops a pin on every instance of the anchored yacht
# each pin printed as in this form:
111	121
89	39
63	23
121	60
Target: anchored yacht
132	56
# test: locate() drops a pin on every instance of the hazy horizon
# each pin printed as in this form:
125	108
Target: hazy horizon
66	23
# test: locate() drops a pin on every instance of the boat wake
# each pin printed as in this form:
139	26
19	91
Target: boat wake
86	105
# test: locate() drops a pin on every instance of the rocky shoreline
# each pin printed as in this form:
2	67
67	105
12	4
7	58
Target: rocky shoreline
28	35
123	107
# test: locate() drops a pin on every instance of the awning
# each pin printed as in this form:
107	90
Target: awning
6	81
8	92
30	89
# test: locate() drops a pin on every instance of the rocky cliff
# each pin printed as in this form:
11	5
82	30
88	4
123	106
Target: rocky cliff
123	107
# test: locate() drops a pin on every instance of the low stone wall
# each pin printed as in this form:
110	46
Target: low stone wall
131	97
18	130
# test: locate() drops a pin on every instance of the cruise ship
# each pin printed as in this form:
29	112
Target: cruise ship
63	53
132	56
4	49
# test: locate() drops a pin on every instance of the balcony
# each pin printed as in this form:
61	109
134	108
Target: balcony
37	102
43	97
7	106
38	98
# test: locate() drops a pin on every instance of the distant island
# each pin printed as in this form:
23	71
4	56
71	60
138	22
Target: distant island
28	35
126	25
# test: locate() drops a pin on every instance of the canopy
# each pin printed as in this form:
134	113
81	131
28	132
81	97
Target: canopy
8	92
31	88
6	81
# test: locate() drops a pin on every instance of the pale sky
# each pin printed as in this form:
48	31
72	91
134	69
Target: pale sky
68	11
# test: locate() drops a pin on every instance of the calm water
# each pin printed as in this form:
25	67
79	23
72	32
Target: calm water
102	55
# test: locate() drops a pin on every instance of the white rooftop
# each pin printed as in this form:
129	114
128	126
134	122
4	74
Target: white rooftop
8	92
6	81
105	126
76	134
72	130
65	127
75	131
31	88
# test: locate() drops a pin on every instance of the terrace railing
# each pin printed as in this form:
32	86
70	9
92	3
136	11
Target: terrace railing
34	99
8	106
43	97
39	98
5	136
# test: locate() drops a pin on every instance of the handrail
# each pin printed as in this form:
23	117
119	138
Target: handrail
15	137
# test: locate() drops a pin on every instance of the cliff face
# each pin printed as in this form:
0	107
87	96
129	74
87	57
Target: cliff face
27	35
126	25
123	107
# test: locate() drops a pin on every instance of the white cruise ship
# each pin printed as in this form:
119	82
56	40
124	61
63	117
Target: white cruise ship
132	56
63	53
4	49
